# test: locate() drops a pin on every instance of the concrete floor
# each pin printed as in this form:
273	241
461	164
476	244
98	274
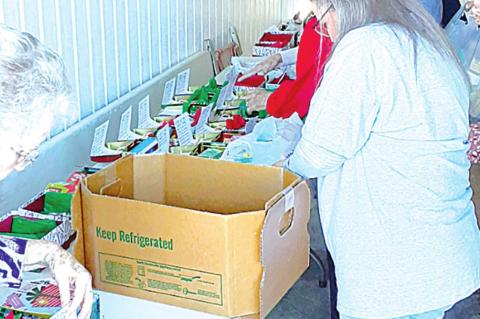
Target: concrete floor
307	300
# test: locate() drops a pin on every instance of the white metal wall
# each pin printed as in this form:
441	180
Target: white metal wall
113	46
291	7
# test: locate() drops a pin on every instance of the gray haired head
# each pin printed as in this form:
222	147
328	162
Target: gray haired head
405	15
34	92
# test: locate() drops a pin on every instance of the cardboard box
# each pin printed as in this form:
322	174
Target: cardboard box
219	237
475	182
62	235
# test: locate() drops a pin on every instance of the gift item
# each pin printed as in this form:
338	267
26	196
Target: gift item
236	123
37	299
99	151
24	228
275	82
26	224
37	205
147	146
144	132
271	43
253	82
243	111
57	203
211	153
204	96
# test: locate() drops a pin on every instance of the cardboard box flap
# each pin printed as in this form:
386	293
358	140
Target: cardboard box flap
77	223
286	223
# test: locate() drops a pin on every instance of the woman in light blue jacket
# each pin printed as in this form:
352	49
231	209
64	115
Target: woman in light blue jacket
387	138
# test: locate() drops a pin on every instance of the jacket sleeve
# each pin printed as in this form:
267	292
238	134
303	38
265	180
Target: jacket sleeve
342	113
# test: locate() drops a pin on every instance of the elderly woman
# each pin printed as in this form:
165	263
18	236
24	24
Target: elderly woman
386	136
34	92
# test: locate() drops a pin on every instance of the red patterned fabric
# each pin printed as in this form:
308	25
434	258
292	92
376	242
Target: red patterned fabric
295	95
474	139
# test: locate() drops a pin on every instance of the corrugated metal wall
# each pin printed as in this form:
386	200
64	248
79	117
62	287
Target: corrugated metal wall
113	46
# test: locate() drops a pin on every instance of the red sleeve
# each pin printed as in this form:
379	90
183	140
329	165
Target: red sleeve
295	95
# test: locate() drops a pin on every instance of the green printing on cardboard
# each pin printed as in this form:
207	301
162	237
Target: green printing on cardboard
134	239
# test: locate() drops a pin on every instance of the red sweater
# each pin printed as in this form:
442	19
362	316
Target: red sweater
295	95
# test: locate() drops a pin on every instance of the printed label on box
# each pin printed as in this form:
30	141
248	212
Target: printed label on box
183	81
163	139
185	283
168	92
144	119
184	130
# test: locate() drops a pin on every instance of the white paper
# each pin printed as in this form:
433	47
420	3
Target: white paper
222	98
124	133
289	199
163	139
203	120
231	78
183	82
99	140
172	111
184	130
250	125
144	119
168	92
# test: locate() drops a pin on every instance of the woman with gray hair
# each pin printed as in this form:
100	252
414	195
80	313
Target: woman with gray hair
387	136
34	94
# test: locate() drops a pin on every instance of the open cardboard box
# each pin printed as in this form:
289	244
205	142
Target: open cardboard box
219	237
62	235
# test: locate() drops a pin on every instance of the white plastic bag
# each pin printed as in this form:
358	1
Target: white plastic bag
464	35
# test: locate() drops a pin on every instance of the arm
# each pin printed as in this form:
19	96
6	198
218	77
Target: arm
342	113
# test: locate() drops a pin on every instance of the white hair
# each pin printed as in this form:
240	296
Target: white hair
403	15
34	90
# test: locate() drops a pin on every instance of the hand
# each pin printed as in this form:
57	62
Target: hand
68	273
263	67
473	8
256	100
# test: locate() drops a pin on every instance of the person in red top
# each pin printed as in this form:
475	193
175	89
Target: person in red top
293	95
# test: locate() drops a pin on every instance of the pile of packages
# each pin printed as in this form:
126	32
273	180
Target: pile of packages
47	216
274	41
213	122
36	299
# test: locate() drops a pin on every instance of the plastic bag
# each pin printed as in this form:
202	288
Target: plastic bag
464	35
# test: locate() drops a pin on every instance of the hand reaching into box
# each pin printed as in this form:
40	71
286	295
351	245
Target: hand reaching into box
262	68
69	274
